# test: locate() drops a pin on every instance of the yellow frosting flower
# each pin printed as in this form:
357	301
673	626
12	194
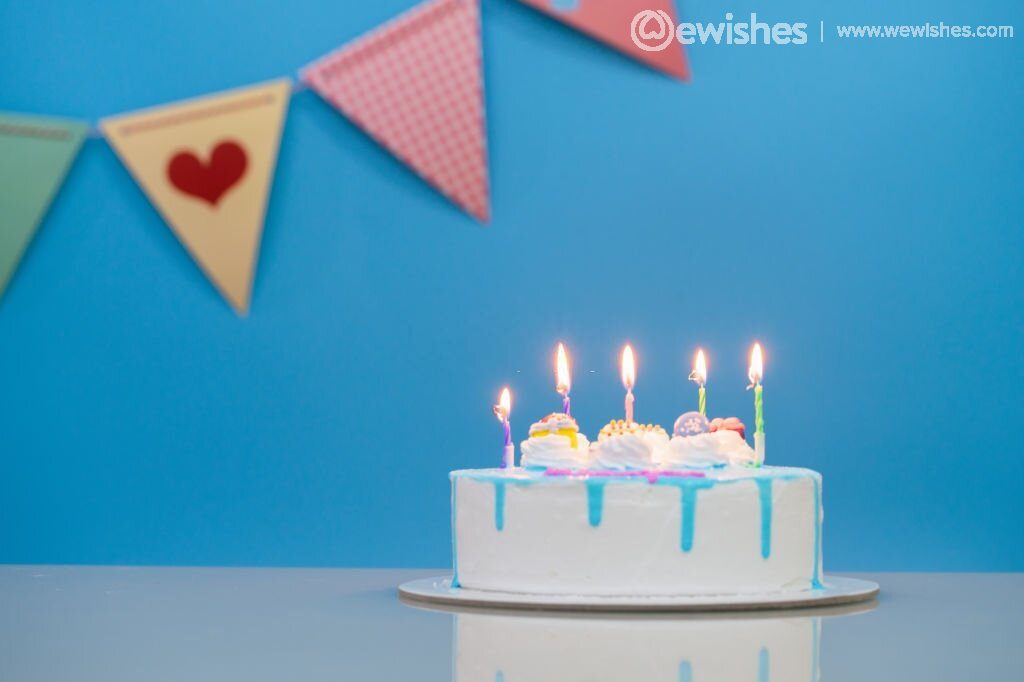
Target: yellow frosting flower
556	424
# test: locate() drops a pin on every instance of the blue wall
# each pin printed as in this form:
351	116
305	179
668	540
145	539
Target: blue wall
857	206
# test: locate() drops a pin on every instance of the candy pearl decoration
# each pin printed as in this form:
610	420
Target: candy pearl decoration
690	424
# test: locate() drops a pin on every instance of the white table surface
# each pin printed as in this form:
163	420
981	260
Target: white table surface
87	624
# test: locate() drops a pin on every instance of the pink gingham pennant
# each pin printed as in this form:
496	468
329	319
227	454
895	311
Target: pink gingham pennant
614	22
415	85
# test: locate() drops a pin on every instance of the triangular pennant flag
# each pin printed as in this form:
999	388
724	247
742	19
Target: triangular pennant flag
615	22
207	165
415	85
35	155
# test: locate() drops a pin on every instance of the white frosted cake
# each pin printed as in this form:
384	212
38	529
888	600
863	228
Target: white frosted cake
729	531
637	512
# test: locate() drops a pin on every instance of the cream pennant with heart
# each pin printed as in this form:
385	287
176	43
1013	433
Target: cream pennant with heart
208	165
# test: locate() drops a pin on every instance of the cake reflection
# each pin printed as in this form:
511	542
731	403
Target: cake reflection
509	646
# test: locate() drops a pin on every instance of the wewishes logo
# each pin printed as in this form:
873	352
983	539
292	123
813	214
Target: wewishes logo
653	31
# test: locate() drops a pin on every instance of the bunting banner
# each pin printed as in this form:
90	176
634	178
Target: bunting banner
612	22
35	155
208	165
415	85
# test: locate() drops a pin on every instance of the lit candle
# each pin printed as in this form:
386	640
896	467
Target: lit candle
755	374
700	375
562	379
628	380
502	411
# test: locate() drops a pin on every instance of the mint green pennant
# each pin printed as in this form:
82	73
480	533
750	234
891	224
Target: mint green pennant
35	155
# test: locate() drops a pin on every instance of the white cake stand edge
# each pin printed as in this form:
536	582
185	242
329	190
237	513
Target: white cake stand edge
837	590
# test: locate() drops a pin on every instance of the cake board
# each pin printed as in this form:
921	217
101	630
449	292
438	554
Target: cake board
837	590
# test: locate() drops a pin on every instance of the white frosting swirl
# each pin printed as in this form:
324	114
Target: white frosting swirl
555	451
637	450
707	450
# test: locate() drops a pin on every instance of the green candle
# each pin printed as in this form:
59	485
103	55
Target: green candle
755	374
700	376
758	409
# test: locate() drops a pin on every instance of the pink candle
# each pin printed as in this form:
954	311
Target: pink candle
628	379
563	381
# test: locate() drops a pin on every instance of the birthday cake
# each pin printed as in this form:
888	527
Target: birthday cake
638	512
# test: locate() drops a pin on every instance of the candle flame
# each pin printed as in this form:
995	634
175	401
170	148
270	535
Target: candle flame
564	381
700	369
756	371
504	407
628	368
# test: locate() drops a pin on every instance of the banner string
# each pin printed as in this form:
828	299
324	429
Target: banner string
298	85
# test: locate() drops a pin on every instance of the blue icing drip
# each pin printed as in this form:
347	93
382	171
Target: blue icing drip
762	666
689	511
499	676
455	553
816	579
685	672
565	5
595	501
688	488
815	644
499	504
764	490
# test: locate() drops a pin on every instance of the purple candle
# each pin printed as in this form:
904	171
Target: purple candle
502	411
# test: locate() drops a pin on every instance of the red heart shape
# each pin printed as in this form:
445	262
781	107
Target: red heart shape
210	182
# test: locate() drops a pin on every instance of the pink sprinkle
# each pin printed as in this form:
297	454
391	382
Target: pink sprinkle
652	475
